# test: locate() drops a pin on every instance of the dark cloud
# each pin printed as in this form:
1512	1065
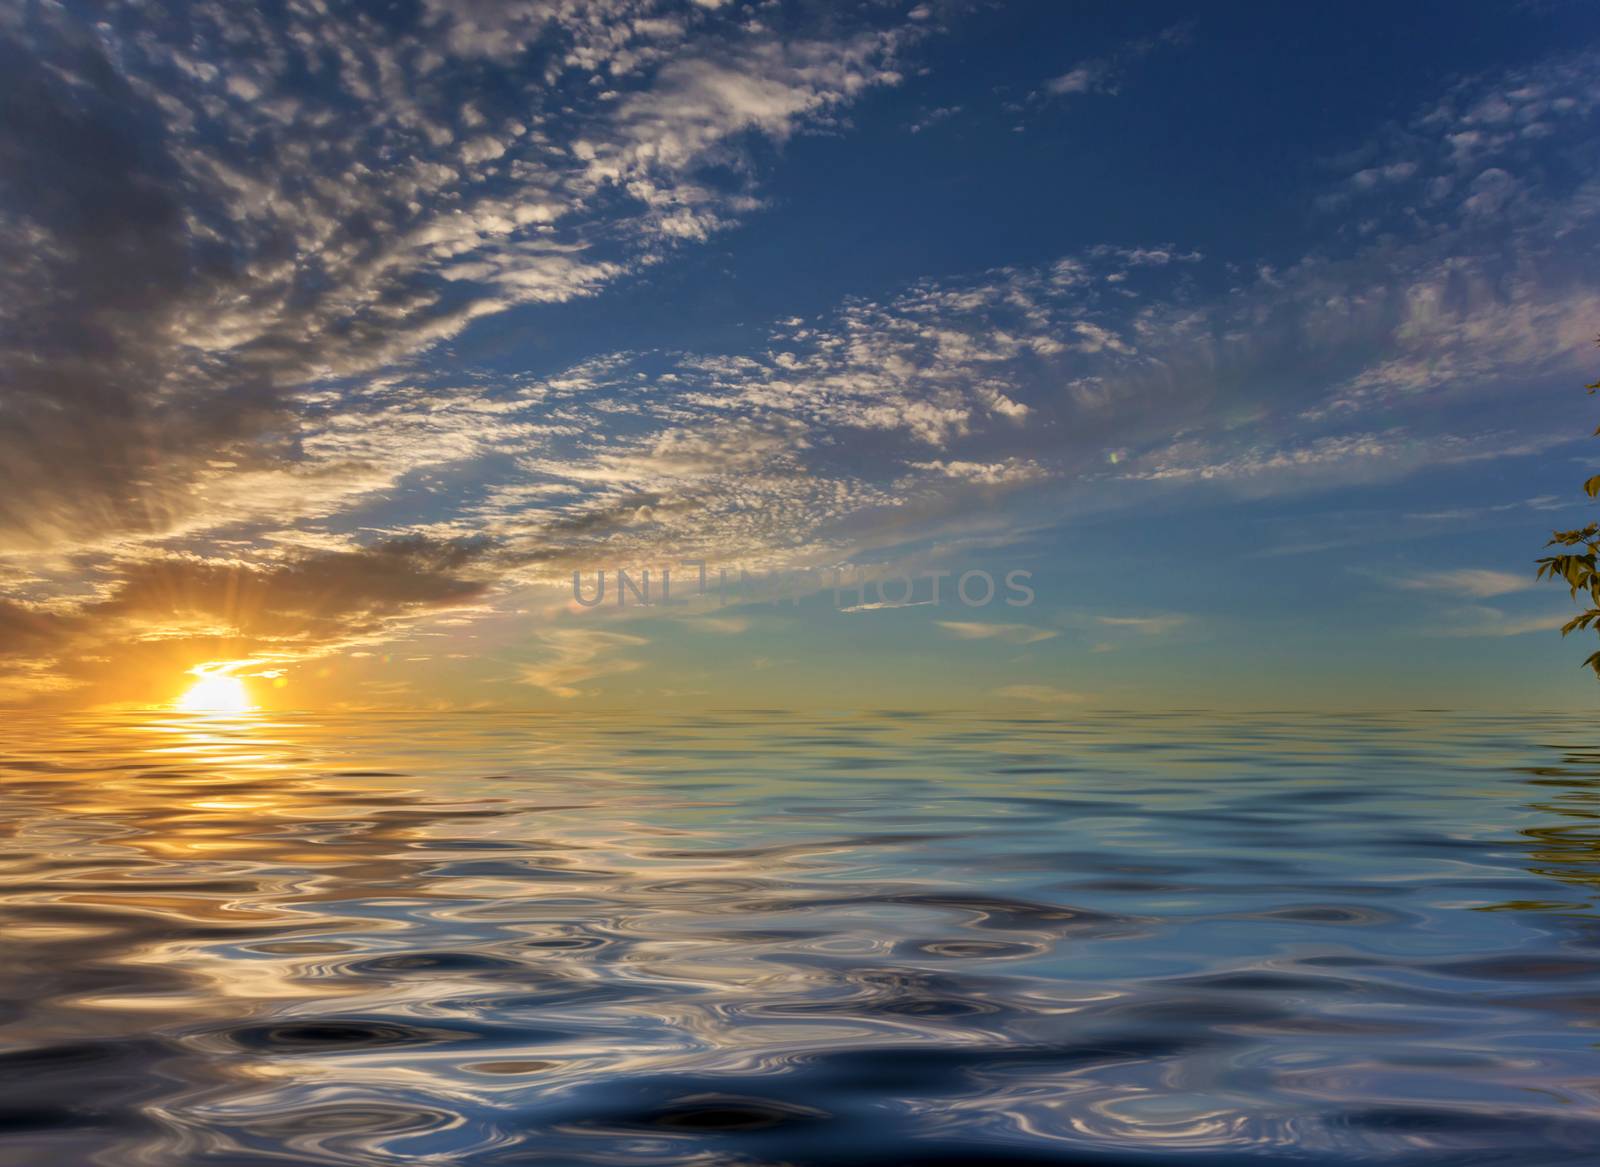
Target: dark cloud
105	406
30	632
227	233
163	615
309	599
206	208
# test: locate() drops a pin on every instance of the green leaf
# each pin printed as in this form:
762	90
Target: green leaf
1580	571
1580	622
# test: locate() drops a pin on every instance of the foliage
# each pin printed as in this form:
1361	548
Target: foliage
1577	567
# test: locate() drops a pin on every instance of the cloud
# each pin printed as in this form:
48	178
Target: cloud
1152	256
1145	625
305	598
576	656
1103	74
700	102
1011	471
1476	621
1543	502
1084	78
211	211
933	117
1375	176
1009	633
1479	583
230	245
235	254
723	625
28	630
1041	694
1104	367
161	614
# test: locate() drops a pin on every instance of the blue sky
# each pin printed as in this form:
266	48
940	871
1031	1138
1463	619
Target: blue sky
338	338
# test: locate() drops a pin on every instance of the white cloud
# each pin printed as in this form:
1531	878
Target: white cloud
1084	78
1484	621
1103	74
1479	583
1011	471
933	117
1146	625
573	657
1009	633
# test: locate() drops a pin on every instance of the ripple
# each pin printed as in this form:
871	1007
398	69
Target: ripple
333	1036
970	949
432	964
724	1112
764	939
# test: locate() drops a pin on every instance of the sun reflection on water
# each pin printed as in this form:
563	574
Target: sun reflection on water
376	940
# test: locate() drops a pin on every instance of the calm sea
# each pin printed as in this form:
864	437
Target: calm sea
762	938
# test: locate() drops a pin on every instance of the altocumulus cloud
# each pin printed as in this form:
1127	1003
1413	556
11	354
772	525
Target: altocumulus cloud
223	231
232	249
208	209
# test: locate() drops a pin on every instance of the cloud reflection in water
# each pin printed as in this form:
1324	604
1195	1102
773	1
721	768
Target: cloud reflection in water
497	940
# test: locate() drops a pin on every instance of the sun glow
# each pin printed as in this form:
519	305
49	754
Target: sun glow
215	692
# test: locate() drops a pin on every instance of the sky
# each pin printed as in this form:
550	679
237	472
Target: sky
1230	355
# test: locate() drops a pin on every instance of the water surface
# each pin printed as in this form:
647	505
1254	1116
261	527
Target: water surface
761	938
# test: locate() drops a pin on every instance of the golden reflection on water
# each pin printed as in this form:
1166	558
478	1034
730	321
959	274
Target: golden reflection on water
274	938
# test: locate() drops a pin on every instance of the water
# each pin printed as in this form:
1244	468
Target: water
758	939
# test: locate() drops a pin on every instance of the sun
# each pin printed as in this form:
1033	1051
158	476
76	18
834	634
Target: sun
215	692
